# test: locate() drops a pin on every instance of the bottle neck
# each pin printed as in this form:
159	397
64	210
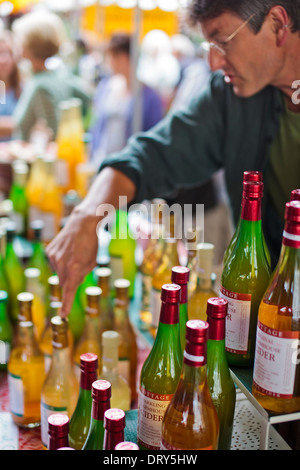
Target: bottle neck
87	378
184	294
169	313
3	313
216	328
291	235
251	209
99	408
110	357
56	442
111	439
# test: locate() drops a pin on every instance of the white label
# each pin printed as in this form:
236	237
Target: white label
4	352
9	432
46	411
237	321
16	394
117	268
152	408
155	306
275	361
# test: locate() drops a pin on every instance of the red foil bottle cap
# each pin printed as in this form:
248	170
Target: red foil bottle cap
216	307
253	189
88	362
196	331
126	445
295	195
114	420
252	176
196	341
292	211
180	275
170	293
58	425
101	390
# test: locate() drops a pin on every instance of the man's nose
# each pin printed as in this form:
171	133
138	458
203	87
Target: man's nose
216	60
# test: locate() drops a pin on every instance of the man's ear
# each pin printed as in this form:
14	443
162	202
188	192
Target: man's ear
280	23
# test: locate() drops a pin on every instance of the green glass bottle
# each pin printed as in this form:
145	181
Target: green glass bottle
38	258
180	276
14	272
122	251
3	279
6	332
18	197
81	418
244	280
161	370
220	382
101	393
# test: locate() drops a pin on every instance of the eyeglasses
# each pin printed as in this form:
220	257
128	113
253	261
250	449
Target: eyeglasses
221	47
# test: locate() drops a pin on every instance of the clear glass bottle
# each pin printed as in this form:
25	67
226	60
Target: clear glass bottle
13	271
193	238
6	332
61	388
101	393
26	372
204	287
191	421
121	392
244	280
103	275
81	418
128	353
276	365
220	382
114	425
90	340
122	251
180	276
34	285
58	431
161	370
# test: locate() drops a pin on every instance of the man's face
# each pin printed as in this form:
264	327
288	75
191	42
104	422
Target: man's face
252	61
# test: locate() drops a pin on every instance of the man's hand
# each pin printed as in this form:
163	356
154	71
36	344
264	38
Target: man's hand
73	254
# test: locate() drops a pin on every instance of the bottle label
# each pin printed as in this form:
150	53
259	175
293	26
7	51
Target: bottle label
146	292
16	394
155	306
4	352
237	321
164	445
117	268
275	361
152	407
46	411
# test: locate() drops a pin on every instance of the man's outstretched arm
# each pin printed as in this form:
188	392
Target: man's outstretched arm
73	251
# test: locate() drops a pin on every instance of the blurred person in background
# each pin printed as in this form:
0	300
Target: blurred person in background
9	76
114	101
40	35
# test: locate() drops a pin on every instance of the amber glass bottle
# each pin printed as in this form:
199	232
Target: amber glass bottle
114	425
61	388
204	286
220	382
34	285
161	370
180	276
276	367
191	420
244	280
128	354
26	371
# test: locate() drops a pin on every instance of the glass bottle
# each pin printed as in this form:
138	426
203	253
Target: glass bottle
64	147
103	275
101	393
121	392
26	370
50	202
3	280
180	276
161	370
276	365
194	235
127	445
295	195
114	425
13	271
204	287
191	421
58	431
54	292
128	355
33	284
220	382
35	186
6	332
90	340
244	280
38	258
162	276
61	388
151	260
80	420
19	198
122	251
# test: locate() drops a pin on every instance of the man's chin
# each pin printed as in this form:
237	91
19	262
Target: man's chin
244	91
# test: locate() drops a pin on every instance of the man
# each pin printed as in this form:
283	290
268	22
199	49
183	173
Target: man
246	120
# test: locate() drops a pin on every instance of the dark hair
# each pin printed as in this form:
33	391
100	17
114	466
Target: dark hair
201	10
119	43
